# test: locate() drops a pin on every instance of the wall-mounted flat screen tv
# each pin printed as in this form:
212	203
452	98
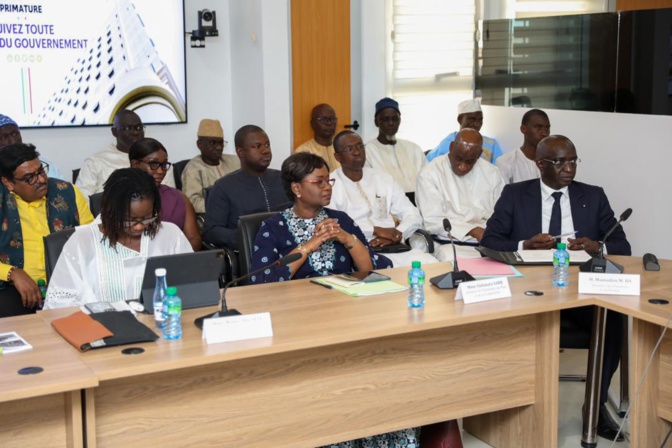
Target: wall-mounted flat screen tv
78	62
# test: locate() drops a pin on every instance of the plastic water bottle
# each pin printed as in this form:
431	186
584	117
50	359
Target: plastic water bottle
561	266
416	286
159	296
172	314
43	290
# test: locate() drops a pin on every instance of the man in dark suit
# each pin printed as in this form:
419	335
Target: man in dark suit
528	215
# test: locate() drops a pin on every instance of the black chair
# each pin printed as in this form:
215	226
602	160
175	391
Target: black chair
75	175
53	246
94	203
178	168
248	226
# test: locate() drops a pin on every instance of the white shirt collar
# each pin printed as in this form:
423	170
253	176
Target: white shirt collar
547	191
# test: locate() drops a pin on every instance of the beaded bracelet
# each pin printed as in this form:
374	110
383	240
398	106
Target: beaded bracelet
354	241
9	273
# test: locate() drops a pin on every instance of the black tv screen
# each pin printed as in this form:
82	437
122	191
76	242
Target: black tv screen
78	62
610	62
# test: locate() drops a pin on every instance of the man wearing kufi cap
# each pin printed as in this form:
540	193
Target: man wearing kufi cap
204	170
399	158
469	115
10	134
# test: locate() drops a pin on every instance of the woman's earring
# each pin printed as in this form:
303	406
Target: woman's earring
298	195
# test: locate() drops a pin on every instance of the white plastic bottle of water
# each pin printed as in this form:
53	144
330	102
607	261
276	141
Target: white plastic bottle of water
159	297
172	314
416	286
561	266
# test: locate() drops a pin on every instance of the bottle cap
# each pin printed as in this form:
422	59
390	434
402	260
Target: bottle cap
562	246
41	282
161	272
415	264
171	290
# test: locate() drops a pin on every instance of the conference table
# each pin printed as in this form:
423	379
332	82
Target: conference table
339	368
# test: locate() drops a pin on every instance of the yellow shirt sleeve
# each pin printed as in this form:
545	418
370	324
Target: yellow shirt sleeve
85	216
4	270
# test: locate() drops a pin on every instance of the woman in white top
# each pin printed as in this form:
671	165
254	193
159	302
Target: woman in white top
105	261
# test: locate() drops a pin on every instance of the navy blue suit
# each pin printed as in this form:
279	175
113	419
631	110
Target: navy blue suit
517	217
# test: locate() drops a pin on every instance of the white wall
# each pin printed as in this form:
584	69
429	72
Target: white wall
259	70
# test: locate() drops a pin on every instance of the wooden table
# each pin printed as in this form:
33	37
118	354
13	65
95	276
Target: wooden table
651	411
339	368
45	409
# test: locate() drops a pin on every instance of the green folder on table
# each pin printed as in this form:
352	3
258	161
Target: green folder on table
359	289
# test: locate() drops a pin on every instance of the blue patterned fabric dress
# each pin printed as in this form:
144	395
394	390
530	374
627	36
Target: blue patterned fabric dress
279	235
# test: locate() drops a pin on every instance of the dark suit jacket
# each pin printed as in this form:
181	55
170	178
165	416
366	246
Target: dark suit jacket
517	217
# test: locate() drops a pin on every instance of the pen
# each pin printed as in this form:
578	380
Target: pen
565	234
322	284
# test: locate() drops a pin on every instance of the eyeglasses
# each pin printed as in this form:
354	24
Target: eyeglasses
327	120
138	127
258	146
214	143
156	165
144	222
563	163
351	148
31	179
321	183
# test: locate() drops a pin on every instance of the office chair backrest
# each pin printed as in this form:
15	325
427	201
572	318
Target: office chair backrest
248	226
75	175
178	168
53	246
94	203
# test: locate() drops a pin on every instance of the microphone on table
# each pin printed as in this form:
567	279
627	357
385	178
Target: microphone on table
451	280
225	311
599	263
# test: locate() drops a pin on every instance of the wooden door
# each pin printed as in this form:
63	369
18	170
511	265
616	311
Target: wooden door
320	61
630	5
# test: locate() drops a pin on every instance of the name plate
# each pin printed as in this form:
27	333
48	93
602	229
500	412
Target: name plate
616	284
483	290
237	328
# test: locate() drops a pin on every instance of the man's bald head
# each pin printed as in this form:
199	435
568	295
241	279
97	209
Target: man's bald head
557	160
323	122
549	146
127	129
465	151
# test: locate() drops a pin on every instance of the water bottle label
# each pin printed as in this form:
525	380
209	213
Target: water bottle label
175	308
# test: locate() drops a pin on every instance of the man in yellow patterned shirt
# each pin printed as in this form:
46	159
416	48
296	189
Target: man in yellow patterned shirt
31	207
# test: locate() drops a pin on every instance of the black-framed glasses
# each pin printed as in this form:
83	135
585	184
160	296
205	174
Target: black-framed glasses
144	222
327	120
563	163
156	165
321	183
31	179
137	127
351	148
213	143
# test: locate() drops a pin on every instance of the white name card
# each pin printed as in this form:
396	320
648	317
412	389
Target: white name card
616	284
237	328
483	290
